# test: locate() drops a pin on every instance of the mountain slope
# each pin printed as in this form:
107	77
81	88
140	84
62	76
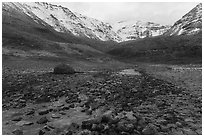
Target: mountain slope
131	30
189	24
25	35
161	49
63	20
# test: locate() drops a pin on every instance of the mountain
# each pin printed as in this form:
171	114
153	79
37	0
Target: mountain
59	23
25	34
182	43
65	21
190	23
131	30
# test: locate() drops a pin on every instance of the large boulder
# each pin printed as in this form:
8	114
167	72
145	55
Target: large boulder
63	69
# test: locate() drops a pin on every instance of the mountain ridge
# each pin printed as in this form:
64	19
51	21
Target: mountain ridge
64	20
190	23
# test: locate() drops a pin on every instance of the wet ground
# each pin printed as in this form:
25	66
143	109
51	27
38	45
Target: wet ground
127	101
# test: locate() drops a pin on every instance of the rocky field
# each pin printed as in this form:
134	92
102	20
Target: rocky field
101	102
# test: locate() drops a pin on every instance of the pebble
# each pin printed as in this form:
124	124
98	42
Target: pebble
43	112
86	124
42	120
189	120
41	132
55	116
17	132
24	123
150	129
188	131
178	124
17	119
30	112
199	131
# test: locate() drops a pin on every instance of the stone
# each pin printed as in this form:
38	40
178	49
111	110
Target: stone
57	104
106	117
150	129
63	69
178	124
47	128
30	112
71	106
43	112
188	131
65	108
55	116
162	121
42	120
129	127
60	123
164	128
171	125
24	123
86	124
121	125
189	120
97	127
41	132
176	132
199	131
17	132
88	112
85	132
17	119
62	113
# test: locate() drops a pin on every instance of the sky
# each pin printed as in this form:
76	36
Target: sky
165	13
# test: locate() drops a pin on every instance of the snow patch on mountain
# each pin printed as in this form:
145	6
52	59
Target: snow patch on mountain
130	30
189	24
64	20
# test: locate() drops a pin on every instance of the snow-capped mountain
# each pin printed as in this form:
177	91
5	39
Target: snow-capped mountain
189	24
66	21
130	30
63	20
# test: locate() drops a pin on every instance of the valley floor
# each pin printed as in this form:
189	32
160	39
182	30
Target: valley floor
158	99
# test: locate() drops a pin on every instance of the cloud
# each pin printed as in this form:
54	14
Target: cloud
159	12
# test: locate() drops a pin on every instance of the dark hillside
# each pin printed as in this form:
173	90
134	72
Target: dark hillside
162	49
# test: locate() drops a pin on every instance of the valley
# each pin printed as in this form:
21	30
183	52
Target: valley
131	78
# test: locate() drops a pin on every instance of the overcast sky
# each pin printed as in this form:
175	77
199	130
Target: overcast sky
165	13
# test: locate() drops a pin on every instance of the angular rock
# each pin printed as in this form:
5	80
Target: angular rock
42	120
41	132
189	120
97	127
150	129
85	132
30	112
17	119
178	124
17	132
63	69
106	117
55	116
86	124
43	112
188	131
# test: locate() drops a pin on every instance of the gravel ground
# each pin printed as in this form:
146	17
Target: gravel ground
97	103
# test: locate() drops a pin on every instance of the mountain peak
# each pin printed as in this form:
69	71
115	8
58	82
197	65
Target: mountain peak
63	20
130	30
190	23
